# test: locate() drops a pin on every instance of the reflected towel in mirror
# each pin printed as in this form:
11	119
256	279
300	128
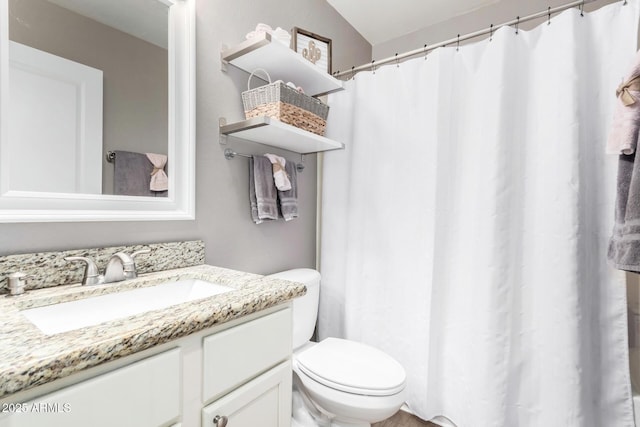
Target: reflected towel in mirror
132	175
159	179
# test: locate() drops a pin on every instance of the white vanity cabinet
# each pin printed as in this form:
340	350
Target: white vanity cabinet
240	370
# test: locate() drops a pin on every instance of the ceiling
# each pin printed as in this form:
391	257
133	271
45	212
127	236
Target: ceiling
379	20
144	19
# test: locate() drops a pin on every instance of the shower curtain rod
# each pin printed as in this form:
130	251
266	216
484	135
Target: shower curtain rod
459	38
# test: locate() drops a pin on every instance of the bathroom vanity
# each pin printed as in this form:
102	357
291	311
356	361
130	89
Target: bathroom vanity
223	358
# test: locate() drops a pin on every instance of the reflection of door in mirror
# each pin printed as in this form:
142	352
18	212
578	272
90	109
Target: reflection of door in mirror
126	41
45	91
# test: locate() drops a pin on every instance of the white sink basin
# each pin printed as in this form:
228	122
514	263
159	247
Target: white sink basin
67	316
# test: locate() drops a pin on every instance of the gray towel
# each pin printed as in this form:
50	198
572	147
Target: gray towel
252	194
132	175
624	246
289	199
261	176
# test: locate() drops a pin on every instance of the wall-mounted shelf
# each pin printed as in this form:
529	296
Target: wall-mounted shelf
281	63
274	133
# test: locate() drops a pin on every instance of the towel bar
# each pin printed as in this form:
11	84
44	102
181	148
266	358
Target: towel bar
230	154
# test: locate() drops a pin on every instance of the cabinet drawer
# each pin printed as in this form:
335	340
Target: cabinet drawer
234	356
264	402
144	394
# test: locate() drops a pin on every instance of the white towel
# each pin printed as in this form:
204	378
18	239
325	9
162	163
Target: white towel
159	179
280	176
623	136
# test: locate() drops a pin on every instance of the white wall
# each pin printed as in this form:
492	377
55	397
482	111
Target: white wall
223	217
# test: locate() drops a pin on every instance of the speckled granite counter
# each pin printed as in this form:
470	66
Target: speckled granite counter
29	358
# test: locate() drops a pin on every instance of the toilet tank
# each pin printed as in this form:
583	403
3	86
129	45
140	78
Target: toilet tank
305	308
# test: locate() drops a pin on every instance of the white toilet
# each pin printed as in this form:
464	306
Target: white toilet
338	382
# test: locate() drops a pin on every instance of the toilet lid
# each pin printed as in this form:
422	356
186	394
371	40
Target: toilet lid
352	367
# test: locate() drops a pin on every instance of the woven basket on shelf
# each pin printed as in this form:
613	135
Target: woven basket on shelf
281	102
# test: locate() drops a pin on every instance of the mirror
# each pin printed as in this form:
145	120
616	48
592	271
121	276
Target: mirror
80	79
86	78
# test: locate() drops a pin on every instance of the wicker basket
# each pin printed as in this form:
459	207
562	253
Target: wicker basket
281	102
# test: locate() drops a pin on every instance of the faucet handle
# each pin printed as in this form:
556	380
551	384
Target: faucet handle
135	254
91	273
140	252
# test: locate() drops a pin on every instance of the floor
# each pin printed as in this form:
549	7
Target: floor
403	419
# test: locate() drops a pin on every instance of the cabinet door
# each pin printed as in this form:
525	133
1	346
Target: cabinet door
264	402
234	356
144	394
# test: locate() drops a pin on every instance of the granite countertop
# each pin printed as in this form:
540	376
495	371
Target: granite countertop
29	358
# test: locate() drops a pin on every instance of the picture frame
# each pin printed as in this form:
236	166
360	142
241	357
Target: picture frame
312	47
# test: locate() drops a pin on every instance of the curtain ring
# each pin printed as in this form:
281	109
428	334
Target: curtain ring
425	52
491	32
517	24
549	15
582	9
397	62
373	66
458	44
353	73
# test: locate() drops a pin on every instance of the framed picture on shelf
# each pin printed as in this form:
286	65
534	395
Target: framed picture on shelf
314	48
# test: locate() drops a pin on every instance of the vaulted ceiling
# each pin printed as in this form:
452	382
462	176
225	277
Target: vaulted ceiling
381	20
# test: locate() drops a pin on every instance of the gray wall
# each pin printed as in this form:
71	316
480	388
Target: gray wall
134	73
497	13
223	219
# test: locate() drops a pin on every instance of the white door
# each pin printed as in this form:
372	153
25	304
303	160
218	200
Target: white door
55	110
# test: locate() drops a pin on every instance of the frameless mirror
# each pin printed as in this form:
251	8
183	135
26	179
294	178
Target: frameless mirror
96	103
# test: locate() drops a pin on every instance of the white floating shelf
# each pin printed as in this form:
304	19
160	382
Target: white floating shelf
274	133
281	63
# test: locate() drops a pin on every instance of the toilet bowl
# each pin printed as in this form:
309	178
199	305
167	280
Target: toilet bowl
353	383
343	383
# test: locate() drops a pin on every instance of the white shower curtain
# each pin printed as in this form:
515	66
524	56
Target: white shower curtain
465	225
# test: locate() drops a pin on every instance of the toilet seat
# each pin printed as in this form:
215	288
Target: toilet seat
352	367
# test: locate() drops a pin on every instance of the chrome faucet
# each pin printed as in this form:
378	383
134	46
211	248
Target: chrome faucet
121	266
